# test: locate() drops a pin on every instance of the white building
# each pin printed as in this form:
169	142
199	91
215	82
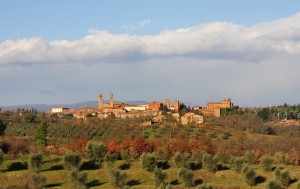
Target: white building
59	109
135	107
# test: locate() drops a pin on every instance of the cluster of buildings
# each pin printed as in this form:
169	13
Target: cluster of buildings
114	109
214	108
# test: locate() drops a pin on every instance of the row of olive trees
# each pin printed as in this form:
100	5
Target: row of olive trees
184	161
150	163
72	163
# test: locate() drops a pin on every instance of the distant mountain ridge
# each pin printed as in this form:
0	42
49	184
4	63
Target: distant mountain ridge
46	107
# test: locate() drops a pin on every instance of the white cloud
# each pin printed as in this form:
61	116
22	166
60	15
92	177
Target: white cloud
220	40
143	23
129	27
138	25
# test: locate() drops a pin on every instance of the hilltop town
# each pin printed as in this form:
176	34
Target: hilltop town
153	109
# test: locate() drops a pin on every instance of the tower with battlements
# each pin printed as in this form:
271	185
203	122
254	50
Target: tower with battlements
176	106
167	103
111	100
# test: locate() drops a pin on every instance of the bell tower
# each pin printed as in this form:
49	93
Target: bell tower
100	101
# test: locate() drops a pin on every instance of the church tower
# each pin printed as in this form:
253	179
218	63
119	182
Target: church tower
100	101
111	100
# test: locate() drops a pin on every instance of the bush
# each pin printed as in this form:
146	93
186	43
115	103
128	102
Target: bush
267	163
125	155
96	152
250	176
274	185
205	186
162	154
281	158
182	159
2	128
226	135
164	186
37	181
117	178
198	156
148	162
41	134
210	163
237	164
168	186
249	157
35	161
213	134
283	177
187	176
110	159
78	179
2	156
223	157
72	160
159	177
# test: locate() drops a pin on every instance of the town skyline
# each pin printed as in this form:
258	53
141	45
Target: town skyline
66	52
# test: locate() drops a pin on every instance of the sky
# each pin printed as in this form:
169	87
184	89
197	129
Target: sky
68	51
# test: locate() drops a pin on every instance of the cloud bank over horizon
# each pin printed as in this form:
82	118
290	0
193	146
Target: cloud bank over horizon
219	40
254	65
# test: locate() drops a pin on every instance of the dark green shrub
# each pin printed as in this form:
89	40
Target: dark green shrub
35	161
125	155
237	164
266	163
273	185
110	159
148	162
226	135
223	157
159	177
198	156
269	131
117	178
72	160
187	176
210	163
2	128
41	134
213	134
96	152
78	179
2	156
283	177
250	176
182	159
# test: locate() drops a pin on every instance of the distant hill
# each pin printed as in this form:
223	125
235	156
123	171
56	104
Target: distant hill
46	107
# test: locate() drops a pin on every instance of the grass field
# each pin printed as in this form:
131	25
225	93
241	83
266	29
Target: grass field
16	173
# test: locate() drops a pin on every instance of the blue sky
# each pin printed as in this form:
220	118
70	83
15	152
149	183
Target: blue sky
72	19
67	51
